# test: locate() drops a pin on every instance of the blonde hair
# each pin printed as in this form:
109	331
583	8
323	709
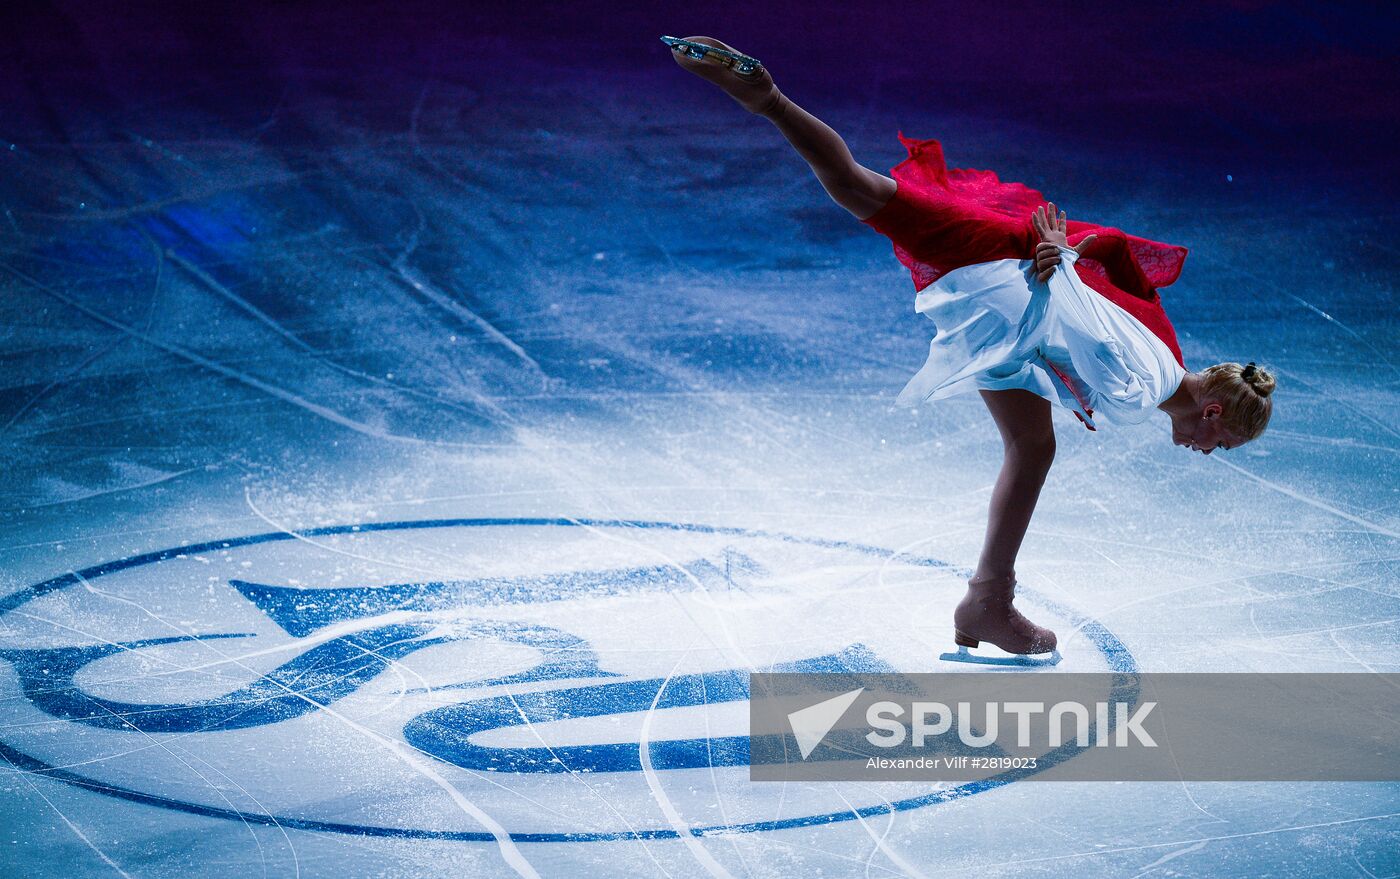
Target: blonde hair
1243	392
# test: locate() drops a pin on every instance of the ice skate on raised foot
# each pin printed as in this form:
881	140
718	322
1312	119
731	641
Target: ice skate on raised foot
740	62
986	613
742	77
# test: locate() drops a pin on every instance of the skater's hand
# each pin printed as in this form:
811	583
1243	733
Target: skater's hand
1050	224
1052	227
1047	256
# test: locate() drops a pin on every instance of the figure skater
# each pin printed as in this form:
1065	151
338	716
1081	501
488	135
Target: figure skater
984	256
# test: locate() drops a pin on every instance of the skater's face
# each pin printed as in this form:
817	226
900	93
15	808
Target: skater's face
1204	432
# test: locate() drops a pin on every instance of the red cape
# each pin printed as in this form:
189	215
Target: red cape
941	219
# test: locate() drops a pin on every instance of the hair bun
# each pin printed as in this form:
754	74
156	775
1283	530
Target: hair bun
1261	381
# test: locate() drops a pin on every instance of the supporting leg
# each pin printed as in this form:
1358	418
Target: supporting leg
986	612
1028	449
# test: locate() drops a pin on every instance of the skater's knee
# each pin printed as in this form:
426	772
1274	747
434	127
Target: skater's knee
859	190
1033	450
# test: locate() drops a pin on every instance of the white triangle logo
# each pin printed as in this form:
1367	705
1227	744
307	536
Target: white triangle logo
811	724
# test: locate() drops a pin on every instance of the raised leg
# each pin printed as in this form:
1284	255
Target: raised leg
854	187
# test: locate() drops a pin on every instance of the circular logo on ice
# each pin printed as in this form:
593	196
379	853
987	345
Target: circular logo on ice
573	679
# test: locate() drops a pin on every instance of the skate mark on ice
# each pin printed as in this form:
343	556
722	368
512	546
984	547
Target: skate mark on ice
316	409
136	486
262	854
1202	840
879	844
1170	856
405	753
321	357
682	830
77	831
1311	501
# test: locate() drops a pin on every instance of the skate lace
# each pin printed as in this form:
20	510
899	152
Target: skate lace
1022	625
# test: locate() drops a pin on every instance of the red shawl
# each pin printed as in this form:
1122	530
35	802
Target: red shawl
941	219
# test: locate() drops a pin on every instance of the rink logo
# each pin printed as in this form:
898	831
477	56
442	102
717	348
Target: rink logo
506	655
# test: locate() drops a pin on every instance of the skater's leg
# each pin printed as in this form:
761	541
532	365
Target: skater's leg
851	185
1028	449
986	612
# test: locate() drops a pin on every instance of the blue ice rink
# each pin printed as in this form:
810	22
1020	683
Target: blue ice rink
414	431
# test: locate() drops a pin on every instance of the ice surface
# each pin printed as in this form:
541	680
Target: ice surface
545	320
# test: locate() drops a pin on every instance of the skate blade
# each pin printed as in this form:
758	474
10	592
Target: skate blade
740	63
1036	661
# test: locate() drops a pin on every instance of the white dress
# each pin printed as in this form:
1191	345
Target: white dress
999	328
